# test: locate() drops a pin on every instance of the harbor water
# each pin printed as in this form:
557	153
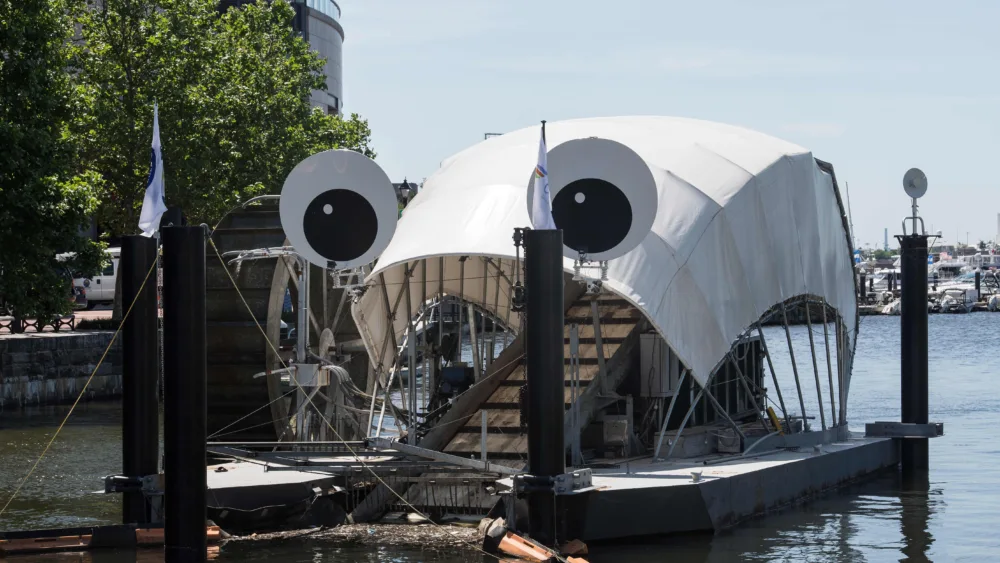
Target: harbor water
951	516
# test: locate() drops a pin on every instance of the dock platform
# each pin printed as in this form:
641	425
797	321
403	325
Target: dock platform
644	498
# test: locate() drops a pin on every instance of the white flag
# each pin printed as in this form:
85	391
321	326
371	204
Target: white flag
153	206
541	203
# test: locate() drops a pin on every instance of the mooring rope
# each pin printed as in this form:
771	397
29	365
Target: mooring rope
331	427
82	392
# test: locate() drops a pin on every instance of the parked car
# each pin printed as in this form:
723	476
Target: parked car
100	289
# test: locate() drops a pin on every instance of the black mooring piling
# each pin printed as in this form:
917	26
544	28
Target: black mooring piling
913	346
184	401
543	282
140	367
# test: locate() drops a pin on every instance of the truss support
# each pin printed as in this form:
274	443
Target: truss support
795	369
812	350
602	369
774	376
829	367
687	417
670	410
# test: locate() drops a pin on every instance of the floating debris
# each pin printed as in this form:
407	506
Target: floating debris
424	536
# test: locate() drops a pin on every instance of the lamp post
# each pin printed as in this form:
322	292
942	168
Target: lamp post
404	191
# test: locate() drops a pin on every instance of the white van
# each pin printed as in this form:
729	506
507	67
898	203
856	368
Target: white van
101	288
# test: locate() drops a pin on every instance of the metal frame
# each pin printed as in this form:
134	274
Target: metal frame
474	342
812	348
602	369
687	416
386	399
481	361
461	296
389	337
576	455
744	337
721	411
423	399
670	410
829	367
388	446
496	306
746	387
842	350
795	369
383	380
841	370
410	397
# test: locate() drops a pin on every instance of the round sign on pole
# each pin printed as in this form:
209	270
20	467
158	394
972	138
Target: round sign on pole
338	209
915	183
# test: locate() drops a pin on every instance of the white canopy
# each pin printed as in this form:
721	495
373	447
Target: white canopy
745	221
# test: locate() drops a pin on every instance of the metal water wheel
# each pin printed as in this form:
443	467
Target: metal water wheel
242	407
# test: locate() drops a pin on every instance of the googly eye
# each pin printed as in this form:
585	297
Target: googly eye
604	197
338	209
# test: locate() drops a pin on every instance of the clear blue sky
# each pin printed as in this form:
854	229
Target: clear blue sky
873	87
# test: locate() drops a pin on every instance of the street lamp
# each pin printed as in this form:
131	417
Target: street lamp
404	190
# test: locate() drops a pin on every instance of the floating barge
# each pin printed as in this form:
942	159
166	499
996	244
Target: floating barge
671	392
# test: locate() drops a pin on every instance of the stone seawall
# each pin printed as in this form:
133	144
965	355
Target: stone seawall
52	368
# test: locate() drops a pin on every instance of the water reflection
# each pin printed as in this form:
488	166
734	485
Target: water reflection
916	506
847	526
950	516
98	556
854	524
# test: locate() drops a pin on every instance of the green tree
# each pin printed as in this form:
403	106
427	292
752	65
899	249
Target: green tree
233	93
883	254
45	198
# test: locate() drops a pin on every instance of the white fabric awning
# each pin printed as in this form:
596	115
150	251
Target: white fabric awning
745	221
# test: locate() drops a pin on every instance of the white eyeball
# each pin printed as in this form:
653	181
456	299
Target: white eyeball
338	209
604	197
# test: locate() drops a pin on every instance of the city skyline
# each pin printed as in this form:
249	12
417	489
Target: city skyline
870	88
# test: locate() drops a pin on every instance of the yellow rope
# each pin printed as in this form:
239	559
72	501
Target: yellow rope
82	391
330	426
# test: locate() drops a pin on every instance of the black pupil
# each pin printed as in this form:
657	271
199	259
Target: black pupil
340	225
594	215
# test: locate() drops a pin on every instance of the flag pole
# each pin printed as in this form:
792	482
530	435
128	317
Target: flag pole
543	132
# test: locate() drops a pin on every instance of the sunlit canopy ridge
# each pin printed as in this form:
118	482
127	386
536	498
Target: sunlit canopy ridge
745	221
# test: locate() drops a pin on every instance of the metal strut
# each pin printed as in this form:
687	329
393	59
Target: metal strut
812	349
687	416
829	366
750	395
670	410
774	376
795	369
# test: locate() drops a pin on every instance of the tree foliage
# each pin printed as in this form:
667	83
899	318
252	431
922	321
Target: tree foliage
233	94
46	198
881	254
